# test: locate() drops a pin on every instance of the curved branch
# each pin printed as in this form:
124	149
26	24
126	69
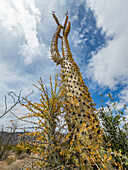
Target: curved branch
54	44
19	100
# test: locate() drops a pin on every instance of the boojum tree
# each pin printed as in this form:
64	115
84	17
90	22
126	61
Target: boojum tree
83	124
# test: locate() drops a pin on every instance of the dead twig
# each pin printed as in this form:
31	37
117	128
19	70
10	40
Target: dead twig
19	100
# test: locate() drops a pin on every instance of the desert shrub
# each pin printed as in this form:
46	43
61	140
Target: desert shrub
115	129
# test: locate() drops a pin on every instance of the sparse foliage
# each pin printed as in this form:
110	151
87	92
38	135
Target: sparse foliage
48	134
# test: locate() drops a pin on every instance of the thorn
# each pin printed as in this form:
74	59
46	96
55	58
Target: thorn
53	12
66	13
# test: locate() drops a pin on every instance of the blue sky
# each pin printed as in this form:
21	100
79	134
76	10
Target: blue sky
98	41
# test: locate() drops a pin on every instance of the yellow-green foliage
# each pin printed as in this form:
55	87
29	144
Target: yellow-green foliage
49	113
53	141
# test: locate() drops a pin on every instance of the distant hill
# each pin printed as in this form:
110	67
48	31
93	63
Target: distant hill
15	137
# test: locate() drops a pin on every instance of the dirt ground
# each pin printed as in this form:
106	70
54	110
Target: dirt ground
14	162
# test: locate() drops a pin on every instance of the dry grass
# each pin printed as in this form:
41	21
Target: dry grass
14	162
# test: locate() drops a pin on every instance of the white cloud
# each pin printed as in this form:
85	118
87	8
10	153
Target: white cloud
109	14
109	67
27	20
76	38
7	76
21	18
124	95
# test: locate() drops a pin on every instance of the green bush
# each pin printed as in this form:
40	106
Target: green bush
115	128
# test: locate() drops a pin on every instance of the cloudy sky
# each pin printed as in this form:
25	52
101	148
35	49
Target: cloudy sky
98	41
